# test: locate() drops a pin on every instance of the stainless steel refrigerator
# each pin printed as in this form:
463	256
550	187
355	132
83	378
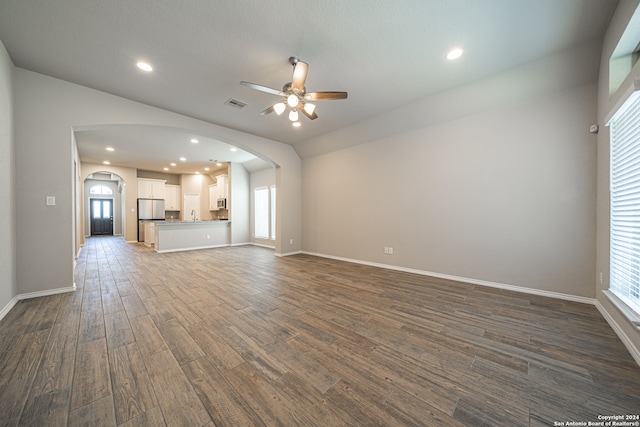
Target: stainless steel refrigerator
149	210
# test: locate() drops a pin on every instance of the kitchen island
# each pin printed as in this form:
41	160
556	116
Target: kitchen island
173	236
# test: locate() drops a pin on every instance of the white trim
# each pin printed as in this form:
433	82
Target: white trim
635	352
262	245
194	248
7	308
613	110
289	253
240	244
521	289
47	292
623	308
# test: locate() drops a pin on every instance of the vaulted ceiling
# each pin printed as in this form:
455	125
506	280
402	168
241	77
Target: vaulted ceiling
384	53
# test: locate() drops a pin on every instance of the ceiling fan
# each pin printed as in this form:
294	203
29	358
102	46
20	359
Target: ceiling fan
295	94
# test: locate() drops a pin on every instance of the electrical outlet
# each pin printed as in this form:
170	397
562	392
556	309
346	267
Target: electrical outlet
386	250
291	241
208	236
390	251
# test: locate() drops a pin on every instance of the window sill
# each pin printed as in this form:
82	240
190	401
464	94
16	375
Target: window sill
624	309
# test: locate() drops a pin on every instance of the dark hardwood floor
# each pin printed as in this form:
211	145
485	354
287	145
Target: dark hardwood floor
237	336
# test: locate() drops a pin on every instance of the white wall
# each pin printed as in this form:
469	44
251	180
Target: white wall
8	286
47	110
504	196
606	105
239	196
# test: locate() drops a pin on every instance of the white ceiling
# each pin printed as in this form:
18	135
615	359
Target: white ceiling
385	53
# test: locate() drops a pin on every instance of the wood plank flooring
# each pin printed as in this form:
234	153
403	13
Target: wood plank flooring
239	337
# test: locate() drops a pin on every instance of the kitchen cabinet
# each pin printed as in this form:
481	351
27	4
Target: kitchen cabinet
222	182
149	233
151	188
213	197
172	197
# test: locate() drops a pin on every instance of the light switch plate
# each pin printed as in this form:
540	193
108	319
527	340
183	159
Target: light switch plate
51	200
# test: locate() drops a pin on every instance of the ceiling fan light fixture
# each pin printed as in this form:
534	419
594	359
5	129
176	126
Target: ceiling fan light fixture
293	116
293	100
144	66
309	108
454	53
279	108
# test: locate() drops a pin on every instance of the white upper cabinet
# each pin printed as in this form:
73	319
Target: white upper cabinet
151	188
213	197
172	197
222	182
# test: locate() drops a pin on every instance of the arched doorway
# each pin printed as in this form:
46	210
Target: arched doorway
103	204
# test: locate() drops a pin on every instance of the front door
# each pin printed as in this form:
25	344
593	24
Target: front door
101	217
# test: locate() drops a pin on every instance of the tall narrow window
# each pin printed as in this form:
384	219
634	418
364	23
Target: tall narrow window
625	203
273	212
261	213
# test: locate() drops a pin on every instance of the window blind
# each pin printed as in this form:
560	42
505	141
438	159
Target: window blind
625	203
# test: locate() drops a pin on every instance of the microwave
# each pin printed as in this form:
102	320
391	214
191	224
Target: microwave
222	203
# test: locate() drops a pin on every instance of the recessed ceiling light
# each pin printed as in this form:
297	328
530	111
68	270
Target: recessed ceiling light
106	162
166	169
195	141
296	124
197	173
172	164
454	54
233	149
144	66
110	149
218	164
206	169
183	159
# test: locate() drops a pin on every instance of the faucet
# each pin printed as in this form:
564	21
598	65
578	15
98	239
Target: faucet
193	214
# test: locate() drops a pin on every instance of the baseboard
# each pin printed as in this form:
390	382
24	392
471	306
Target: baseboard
30	295
48	292
289	253
514	288
635	351
261	245
194	248
7	308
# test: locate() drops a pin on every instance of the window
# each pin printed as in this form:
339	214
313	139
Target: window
261	206
625	203
273	212
264	201
100	190
101	209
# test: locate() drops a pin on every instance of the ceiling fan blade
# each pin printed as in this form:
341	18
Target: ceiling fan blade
267	111
263	88
312	116
300	70
324	96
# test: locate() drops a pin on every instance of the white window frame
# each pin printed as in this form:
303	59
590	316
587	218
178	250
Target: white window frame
100	190
272	212
269	210
624	286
